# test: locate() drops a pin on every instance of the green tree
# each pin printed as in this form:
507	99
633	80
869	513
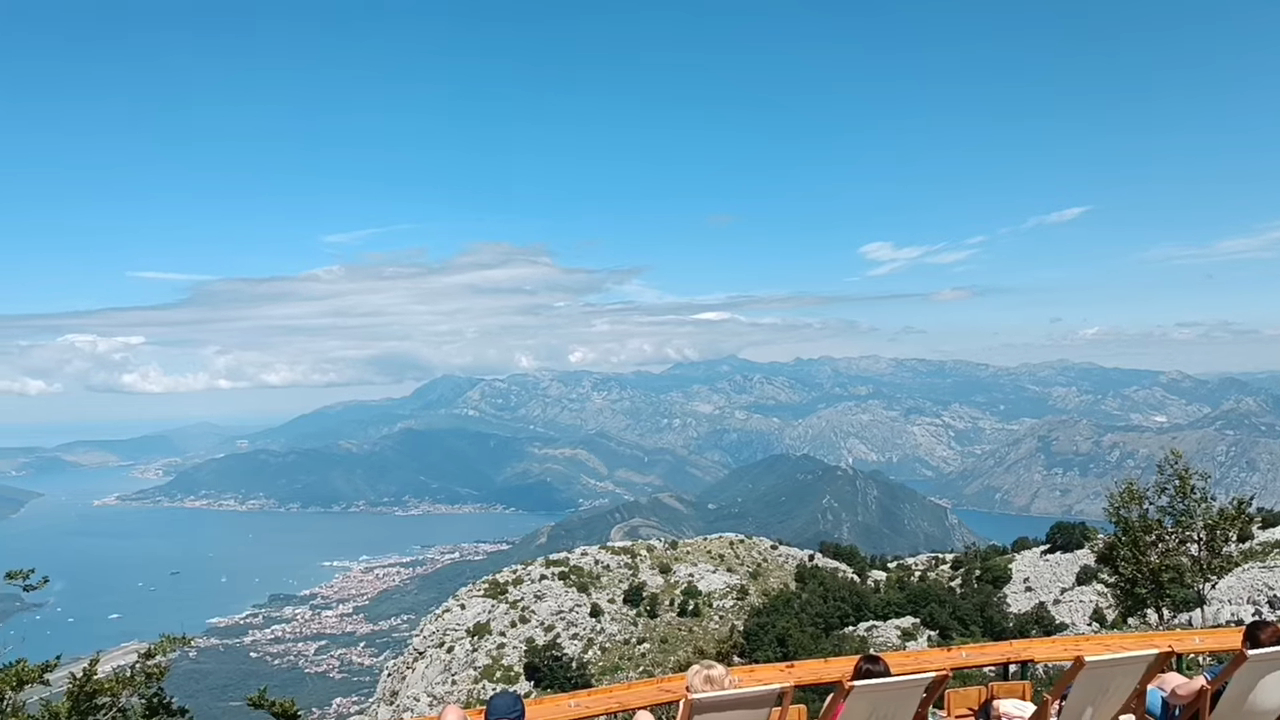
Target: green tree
1172	542
132	691
1024	543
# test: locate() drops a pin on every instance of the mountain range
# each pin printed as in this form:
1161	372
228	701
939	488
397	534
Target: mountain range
1047	438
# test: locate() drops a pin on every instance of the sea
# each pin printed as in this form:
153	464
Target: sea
124	573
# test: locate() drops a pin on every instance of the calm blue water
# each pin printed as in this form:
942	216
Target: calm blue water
103	560
1005	528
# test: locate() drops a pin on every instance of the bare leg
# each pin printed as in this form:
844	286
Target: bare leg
453	712
1164	681
640	715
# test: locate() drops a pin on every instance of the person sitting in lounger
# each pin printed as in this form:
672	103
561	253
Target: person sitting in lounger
868	667
1170	691
703	677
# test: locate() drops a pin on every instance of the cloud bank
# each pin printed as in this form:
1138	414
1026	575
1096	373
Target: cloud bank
494	309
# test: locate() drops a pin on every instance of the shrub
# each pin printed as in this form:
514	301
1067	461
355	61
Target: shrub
479	630
664	567
550	669
1086	575
595	612
1099	617
1065	536
1025	543
633	596
652	606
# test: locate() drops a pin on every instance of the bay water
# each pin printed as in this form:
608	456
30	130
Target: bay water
122	573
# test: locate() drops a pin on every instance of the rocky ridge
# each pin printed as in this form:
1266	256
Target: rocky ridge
474	643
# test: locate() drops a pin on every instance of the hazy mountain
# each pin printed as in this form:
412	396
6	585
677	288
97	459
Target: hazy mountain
174	443
455	466
971	427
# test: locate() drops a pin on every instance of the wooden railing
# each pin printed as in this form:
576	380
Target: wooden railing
632	696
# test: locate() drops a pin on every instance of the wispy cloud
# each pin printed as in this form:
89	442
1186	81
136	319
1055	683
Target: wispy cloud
1055	218
1260	246
354	236
154	275
953	295
891	258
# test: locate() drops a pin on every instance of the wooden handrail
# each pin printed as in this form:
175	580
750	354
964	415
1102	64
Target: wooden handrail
632	696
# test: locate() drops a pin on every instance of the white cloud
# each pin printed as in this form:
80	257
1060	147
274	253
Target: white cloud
28	386
953	294
949	257
1056	218
354	236
154	275
891	258
493	309
1261	246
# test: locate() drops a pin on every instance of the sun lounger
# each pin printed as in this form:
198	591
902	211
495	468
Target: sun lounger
753	703
1104	686
905	697
1253	692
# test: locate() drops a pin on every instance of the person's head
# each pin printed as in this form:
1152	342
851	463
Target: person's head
1260	634
870	667
504	705
709	676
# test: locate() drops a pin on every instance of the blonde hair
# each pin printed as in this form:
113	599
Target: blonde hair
709	676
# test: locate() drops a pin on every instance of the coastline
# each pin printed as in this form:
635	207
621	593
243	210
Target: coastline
240	505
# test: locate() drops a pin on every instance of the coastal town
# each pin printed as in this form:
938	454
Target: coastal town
323	631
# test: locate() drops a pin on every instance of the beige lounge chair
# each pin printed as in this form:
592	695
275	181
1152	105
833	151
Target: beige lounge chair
1104	686
1253	692
752	703
904	697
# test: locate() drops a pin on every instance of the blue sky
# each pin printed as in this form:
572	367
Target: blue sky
505	186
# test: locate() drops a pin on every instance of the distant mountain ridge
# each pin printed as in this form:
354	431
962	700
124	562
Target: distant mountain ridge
162	445
448	466
950	422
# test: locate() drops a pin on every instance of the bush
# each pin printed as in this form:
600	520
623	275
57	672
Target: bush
595	612
664	567
550	670
1065	536
1025	543
633	596
1268	518
1086	575
1099	617
652	606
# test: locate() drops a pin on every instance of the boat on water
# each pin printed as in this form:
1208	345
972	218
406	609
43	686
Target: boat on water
174	572
151	589
114	616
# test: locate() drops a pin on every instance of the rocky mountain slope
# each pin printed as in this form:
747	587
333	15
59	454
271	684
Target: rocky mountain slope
693	591
474	643
974	428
